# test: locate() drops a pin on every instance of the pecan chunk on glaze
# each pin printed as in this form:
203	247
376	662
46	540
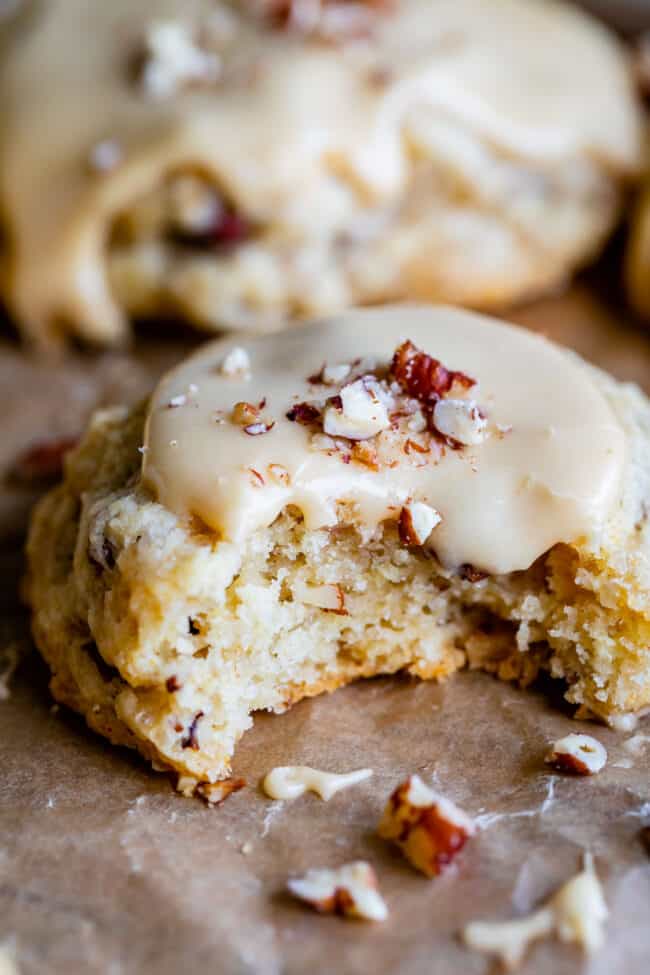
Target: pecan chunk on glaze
423	377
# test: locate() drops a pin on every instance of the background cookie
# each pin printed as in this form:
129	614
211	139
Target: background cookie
235	165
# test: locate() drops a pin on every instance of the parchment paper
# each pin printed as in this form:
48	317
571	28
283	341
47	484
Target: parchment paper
103	869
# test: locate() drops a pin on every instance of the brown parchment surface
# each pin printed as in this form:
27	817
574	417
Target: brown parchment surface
103	869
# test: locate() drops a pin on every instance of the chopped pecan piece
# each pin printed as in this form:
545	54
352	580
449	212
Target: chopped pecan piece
304	413
471	574
357	413
329	597
350	890
577	754
244	414
416	522
460	421
423	377
255	429
428	828
329	20
191	740
215	793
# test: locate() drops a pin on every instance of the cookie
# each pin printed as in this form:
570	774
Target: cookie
238	165
377	493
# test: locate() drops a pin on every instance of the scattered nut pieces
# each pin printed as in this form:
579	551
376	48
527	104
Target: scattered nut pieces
576	914
428	828
292	781
361	413
416	522
460	421
173	60
350	890
237	363
577	754
214	793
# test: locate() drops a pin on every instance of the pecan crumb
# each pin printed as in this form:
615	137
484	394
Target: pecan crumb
428	828
215	793
256	429
416	522
304	413
350	890
191	740
468	572
577	754
244	414
412	446
332	21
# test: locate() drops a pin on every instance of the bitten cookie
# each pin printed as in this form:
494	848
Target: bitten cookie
404	488
238	165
